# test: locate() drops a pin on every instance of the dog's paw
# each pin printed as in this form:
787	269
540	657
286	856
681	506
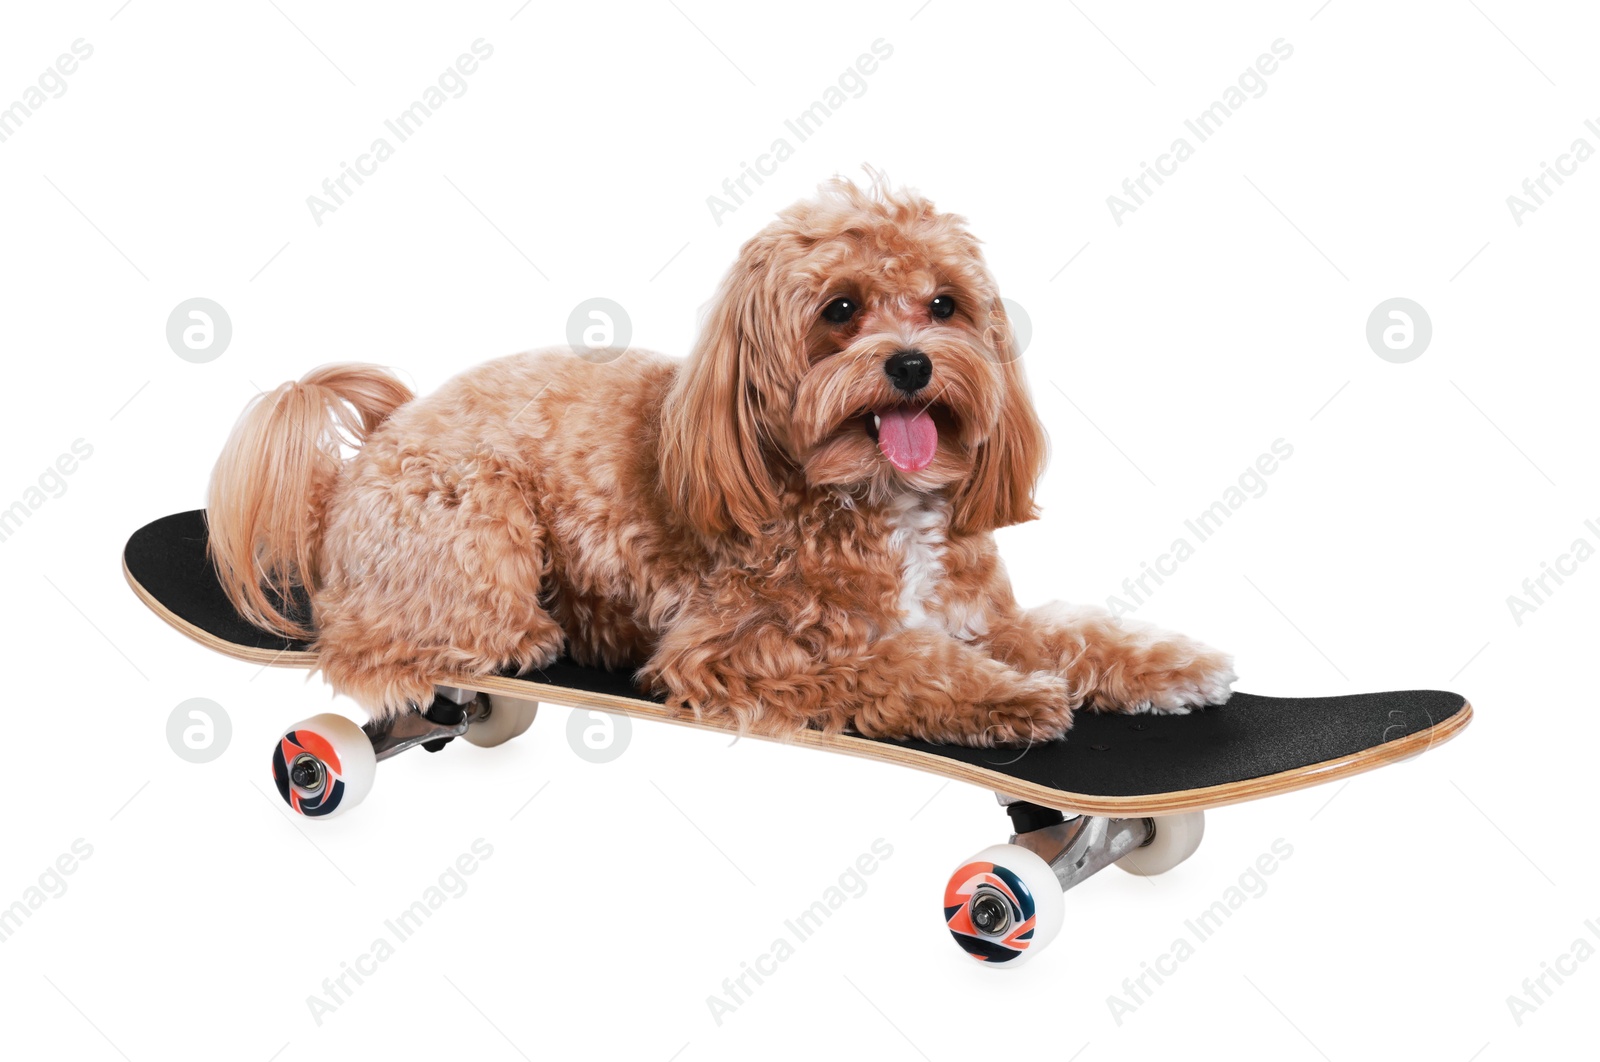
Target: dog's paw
1173	678
1039	709
1147	708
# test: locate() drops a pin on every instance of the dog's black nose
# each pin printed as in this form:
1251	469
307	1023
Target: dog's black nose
909	370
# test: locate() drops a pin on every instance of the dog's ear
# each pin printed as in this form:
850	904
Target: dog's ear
712	464
1006	465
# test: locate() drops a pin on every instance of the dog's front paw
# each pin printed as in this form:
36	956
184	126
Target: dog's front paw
1036	710
1170	677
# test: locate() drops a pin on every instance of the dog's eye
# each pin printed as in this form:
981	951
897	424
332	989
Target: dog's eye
840	310
942	307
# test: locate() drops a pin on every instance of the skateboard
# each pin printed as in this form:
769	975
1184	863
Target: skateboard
1129	790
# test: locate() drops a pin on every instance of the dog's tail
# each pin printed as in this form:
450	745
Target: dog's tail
270	488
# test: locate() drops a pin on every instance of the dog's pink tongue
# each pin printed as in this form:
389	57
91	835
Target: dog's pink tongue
907	437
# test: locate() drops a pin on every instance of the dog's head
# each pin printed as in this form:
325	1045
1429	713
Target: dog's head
858	342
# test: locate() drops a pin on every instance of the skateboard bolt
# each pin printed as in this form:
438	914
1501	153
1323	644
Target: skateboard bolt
306	773
990	914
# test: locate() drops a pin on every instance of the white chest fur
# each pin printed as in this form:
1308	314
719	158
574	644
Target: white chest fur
917	535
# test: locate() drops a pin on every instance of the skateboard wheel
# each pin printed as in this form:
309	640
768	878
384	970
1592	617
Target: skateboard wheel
509	717
1003	905
1176	838
324	766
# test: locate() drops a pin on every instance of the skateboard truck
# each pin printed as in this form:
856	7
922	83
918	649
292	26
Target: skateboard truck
452	712
1075	848
1007	902
1084	845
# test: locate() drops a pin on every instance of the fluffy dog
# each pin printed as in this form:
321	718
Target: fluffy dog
790	529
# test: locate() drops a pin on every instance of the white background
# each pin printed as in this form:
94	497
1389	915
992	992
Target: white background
1167	353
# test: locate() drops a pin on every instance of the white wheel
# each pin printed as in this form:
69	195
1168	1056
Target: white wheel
1177	837
508	718
324	766
1003	905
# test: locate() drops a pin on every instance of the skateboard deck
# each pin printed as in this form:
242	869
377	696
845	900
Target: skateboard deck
1108	765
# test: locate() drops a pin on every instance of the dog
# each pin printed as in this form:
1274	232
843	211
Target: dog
790	529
